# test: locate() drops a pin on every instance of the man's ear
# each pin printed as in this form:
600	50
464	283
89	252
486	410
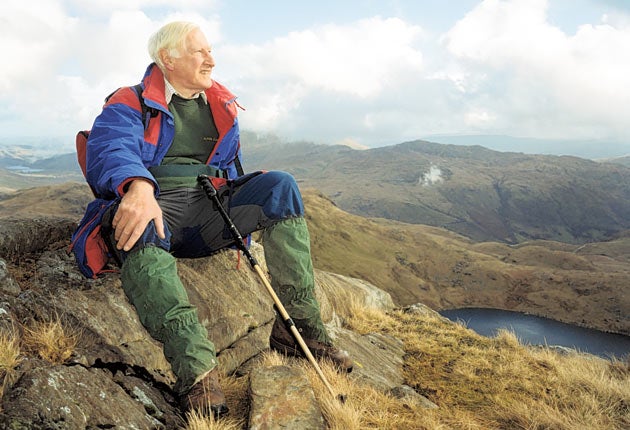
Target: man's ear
167	60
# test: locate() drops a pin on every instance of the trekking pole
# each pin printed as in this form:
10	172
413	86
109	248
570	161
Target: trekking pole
211	192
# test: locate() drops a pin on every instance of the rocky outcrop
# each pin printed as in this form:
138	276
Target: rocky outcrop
118	377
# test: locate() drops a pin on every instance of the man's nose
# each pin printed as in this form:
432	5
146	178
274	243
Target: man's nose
209	59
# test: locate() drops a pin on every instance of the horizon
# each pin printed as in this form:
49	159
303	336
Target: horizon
590	149
361	73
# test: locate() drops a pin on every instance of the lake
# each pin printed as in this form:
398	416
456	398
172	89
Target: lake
535	330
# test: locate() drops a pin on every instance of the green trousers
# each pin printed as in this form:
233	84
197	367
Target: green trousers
288	255
150	281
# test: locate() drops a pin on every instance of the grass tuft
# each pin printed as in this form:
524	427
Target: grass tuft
195	420
51	340
10	358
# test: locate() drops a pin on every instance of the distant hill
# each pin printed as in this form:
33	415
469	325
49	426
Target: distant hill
482	194
19	172
580	284
474	191
586	148
59	163
624	161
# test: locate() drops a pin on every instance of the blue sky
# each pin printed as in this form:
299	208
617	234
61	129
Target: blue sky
364	73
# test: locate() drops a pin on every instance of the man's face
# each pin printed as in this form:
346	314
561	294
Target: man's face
191	72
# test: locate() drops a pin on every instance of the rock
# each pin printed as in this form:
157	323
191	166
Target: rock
7	283
116	357
22	237
338	302
281	397
378	358
71	397
154	398
421	309
411	398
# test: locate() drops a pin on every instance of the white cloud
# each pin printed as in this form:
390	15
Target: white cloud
104	8
503	68
480	119
62	66
31	45
280	79
359	59
432	177
540	80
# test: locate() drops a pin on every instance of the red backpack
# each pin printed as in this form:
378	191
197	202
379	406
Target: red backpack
83	135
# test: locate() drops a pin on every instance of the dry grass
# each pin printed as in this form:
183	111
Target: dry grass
197	421
52	340
477	382
417	263
498	383
48	340
235	390
10	357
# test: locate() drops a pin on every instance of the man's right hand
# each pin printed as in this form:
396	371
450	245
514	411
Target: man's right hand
137	208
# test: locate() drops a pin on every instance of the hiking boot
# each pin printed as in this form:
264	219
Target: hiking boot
282	340
206	396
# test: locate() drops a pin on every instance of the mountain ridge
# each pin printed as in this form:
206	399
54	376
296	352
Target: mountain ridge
480	193
580	284
474	191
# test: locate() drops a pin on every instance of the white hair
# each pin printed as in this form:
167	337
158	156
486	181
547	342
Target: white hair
172	38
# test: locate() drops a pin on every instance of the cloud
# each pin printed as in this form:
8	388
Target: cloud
537	80
359	61
62	67
32	51
432	177
502	68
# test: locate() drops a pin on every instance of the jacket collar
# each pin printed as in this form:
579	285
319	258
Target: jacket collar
155	90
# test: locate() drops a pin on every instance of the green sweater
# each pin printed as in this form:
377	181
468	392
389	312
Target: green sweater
195	136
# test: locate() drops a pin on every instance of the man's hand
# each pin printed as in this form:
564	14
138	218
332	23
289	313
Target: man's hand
137	208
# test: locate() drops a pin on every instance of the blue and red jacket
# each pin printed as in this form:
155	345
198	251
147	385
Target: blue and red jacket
122	146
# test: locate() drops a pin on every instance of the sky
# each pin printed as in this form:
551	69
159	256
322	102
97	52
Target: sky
363	73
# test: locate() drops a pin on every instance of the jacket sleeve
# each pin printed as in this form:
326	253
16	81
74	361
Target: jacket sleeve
114	148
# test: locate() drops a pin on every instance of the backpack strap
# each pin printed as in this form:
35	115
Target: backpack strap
147	112
239	166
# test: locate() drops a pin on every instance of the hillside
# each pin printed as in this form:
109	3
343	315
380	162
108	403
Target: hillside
624	161
74	354
585	285
17	173
482	194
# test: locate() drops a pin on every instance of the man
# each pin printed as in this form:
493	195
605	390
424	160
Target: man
143	167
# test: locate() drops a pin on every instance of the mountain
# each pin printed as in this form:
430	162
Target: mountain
624	161
479	193
58	163
23	171
583	285
585	148
75	356
482	194
579	284
29	149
